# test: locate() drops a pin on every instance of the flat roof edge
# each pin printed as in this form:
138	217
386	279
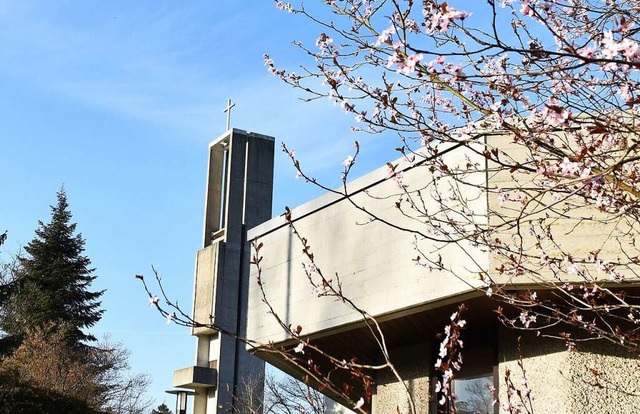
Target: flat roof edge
356	186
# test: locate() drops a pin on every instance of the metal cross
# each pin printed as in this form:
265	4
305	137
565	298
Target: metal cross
227	110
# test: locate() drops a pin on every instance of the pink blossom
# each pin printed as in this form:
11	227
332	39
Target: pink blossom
630	49
284	6
385	36
311	267
457	14
153	300
443	350
526	10
555	114
359	404
603	266
393	59
568	168
574	269
447	376
300	348
542	168
399	180
439	18
455	71
171	316
610	48
616	276
587	52
527	319
625	92
348	162
503	196
346	106
408	66
324	42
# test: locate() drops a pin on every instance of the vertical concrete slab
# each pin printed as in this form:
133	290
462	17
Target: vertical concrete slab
239	194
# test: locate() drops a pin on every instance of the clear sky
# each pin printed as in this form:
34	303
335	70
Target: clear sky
117	101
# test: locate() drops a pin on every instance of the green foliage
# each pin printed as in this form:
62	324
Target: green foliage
46	362
161	409
51	285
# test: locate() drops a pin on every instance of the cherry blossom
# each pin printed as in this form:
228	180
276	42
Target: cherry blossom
568	168
539	98
526	9
348	162
171	316
555	114
359	404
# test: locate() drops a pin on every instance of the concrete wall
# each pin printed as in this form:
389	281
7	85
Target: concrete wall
374	263
205	283
536	220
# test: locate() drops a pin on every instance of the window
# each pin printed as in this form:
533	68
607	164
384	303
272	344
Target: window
474	395
473	386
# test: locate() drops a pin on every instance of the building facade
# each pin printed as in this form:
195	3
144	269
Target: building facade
375	267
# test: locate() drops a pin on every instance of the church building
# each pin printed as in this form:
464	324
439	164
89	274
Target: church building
376	269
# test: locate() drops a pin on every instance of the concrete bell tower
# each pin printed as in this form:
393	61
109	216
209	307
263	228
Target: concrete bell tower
238	197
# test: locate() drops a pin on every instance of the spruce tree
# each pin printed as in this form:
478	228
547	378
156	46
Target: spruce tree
162	409
52	285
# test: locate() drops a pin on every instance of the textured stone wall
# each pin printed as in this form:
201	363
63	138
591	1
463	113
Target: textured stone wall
412	362
601	378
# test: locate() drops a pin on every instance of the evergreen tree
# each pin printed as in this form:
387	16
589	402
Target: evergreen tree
162	409
52	284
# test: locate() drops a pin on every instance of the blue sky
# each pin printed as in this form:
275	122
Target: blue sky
117	101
